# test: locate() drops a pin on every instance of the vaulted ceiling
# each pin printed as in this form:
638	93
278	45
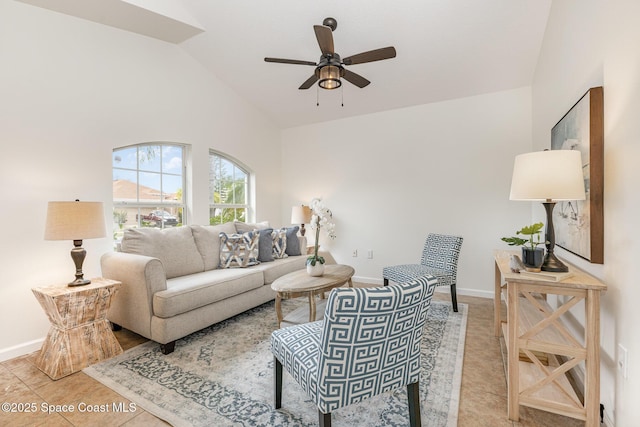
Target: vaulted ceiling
446	49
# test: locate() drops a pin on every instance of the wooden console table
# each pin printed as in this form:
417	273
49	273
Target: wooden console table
80	333
533	330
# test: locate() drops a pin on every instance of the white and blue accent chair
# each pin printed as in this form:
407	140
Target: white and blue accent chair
439	260
367	344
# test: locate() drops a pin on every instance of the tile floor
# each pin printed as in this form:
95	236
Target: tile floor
483	397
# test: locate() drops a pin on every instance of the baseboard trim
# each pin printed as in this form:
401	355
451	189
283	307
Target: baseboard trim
20	349
460	291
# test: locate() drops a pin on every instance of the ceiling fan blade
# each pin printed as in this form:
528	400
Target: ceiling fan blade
356	79
309	82
290	61
370	56
325	39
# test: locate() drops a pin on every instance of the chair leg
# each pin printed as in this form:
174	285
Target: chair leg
413	391
277	374
385	281
454	298
324	419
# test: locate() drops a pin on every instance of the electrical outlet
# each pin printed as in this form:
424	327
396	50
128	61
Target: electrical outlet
622	360
354	253
370	254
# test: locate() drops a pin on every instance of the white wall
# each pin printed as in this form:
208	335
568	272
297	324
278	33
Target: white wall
390	178
71	91
594	43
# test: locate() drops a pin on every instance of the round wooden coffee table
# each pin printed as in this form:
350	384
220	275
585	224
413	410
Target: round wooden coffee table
300	284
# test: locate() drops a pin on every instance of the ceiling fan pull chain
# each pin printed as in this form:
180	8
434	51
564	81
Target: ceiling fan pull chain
317	96
342	94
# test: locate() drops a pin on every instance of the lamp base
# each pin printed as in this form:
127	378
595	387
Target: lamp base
79	282
553	264
77	254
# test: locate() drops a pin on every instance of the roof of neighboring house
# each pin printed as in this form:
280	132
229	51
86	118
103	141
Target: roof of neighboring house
124	190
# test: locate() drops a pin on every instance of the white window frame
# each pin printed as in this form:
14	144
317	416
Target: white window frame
144	207
246	205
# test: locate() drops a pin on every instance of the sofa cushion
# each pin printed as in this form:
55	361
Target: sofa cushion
280	267
174	247
239	250
197	290
207	239
243	227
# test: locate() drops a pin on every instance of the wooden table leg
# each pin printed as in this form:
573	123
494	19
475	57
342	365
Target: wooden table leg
312	307
513	367
592	364
279	308
497	302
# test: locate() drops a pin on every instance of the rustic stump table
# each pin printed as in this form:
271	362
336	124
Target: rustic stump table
80	333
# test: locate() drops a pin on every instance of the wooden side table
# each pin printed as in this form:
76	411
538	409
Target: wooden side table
80	333
534	328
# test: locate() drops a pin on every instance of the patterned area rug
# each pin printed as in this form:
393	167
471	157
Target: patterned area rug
223	376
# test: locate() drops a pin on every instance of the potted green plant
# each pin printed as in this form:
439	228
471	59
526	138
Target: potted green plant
321	218
532	255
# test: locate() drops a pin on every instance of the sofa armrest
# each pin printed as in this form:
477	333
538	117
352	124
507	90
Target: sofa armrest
328	258
141	277
302	241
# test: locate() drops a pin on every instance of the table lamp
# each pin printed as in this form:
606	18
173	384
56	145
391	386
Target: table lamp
75	221
301	215
548	176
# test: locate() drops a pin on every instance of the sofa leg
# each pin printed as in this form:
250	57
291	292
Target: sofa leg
454	298
413	392
385	281
115	327
168	347
324	419
277	375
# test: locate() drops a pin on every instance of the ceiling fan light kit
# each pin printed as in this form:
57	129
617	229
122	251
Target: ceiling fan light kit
330	68
329	76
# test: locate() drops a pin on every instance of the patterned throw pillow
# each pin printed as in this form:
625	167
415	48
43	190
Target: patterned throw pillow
239	250
280	243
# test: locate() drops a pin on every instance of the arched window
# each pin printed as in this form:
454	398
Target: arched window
228	189
148	186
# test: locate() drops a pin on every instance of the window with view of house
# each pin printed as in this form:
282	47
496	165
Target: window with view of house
148	186
228	190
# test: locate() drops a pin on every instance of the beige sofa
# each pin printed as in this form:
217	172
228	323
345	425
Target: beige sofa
173	285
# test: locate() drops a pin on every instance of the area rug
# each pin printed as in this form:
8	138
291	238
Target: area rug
223	376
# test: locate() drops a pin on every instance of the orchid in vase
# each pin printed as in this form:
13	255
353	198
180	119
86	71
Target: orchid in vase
321	219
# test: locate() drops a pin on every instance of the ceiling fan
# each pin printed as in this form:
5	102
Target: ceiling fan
330	68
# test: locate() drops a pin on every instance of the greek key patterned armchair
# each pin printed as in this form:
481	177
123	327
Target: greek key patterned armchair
439	260
367	344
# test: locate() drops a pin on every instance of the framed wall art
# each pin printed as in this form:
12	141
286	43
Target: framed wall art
579	225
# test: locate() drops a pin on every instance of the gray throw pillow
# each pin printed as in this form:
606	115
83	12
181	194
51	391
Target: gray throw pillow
293	244
265	244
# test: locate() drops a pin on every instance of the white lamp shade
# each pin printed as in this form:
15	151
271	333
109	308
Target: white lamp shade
74	221
300	214
553	175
